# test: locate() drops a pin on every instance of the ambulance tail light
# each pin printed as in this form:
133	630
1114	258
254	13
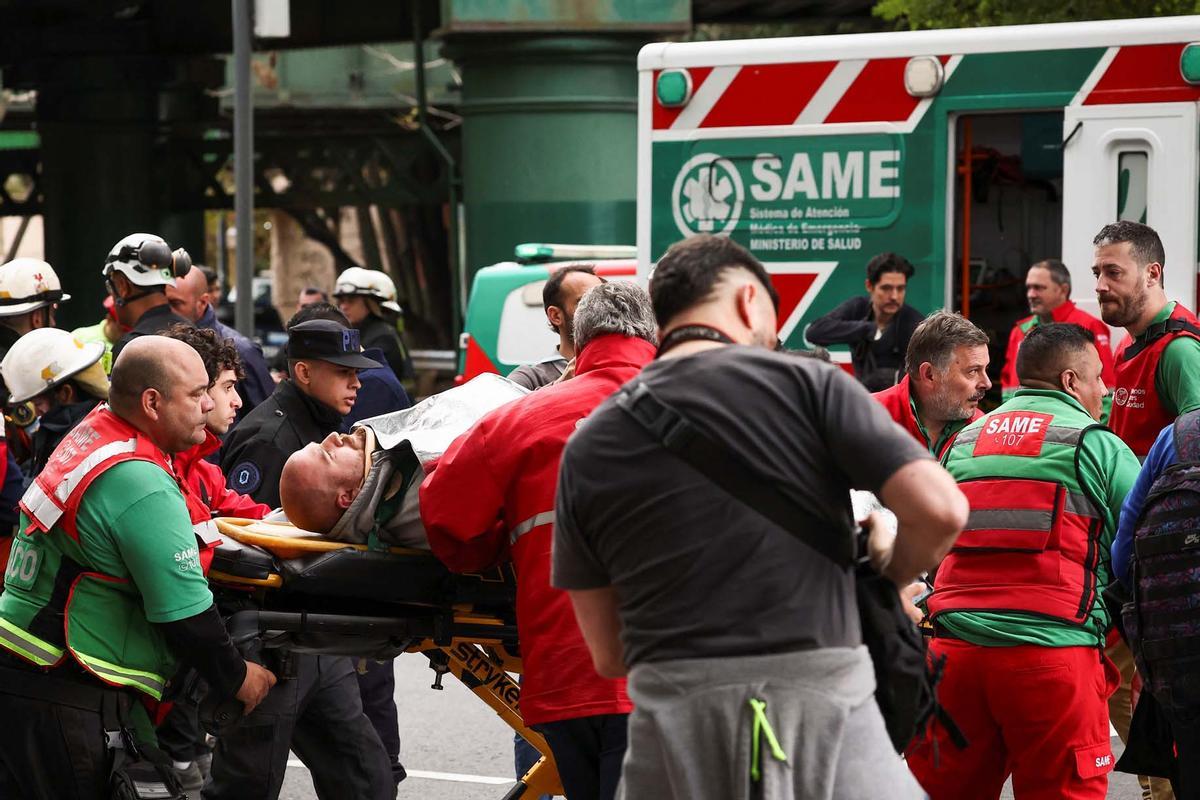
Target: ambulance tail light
923	76
673	89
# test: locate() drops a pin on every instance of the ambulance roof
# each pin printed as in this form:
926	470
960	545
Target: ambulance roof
1011	38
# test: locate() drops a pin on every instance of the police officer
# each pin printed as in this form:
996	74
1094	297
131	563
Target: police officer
1016	607
368	299
322	384
137	272
318	713
73	664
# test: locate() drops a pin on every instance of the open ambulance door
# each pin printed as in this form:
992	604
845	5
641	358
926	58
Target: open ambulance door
1136	162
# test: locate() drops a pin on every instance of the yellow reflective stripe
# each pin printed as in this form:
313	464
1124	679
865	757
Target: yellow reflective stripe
147	682
29	646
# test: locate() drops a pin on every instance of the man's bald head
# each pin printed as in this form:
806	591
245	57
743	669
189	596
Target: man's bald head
321	480
189	297
160	386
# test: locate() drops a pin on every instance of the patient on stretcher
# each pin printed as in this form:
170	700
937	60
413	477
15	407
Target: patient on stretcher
352	486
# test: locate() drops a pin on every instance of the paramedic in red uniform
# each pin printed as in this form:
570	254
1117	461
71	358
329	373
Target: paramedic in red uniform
1016	607
1157	372
492	494
1158	364
1048	290
945	378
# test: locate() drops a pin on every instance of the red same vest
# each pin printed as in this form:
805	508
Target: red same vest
1030	542
1138	414
100	441
898	402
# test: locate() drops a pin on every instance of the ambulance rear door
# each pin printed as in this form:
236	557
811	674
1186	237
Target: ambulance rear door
1135	161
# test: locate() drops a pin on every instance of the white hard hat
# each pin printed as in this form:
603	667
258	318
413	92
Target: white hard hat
147	260
369	282
27	284
44	358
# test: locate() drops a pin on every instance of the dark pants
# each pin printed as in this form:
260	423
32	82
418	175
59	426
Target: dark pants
1185	729
179	735
377	687
318	714
50	751
588	751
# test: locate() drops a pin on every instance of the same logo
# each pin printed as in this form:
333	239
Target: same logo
707	196
1121	397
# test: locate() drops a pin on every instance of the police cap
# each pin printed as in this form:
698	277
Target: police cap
326	340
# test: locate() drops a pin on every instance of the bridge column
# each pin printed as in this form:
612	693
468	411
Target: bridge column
549	122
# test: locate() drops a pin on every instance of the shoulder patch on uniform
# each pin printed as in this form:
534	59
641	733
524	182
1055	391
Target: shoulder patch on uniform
245	477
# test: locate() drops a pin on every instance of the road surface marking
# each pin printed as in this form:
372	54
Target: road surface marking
455	777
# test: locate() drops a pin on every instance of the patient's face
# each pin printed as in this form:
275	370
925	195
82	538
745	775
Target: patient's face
339	459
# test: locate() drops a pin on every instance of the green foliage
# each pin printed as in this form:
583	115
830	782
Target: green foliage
916	14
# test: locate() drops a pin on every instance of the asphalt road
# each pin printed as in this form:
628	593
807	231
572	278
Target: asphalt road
456	748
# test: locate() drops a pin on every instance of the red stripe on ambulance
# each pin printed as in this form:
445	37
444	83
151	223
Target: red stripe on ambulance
876	95
1143	74
663	118
768	94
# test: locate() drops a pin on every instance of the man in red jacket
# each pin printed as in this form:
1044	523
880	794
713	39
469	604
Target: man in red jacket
945	378
492	494
1048	290
204	478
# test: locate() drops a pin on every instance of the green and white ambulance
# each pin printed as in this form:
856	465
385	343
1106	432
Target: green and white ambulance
973	153
505	325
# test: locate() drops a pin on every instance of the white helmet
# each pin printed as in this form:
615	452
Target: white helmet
44	358
147	260
27	284
368	282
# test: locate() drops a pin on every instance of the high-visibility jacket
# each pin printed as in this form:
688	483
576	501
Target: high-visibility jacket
1032	539
1138	413
95	618
492	494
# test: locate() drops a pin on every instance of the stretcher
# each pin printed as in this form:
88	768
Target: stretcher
293	592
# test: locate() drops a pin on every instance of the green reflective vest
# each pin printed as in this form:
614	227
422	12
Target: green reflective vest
1032	543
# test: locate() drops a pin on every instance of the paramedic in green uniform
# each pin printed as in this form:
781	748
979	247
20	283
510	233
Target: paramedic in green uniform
106	593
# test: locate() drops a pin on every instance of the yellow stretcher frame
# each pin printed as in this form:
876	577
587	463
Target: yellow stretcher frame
480	663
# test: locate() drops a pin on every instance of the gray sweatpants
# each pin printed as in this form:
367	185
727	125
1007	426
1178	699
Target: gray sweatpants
691	731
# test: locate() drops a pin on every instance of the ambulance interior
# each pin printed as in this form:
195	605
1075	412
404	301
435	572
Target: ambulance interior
1006	214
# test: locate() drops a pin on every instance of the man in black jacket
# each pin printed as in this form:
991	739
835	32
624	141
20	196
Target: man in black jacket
877	327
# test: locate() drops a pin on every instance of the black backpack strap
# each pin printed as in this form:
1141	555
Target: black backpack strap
1156	332
727	469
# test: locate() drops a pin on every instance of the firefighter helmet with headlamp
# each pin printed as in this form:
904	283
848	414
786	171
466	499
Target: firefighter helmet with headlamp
147	260
27	284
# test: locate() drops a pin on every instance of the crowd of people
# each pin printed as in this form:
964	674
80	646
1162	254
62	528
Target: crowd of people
679	637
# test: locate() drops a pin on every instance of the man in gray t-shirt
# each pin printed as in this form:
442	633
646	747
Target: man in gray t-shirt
723	620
